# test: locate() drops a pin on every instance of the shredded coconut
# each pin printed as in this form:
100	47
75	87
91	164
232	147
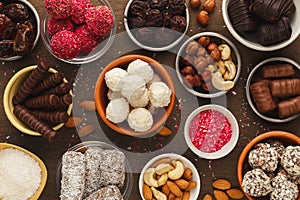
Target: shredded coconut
20	175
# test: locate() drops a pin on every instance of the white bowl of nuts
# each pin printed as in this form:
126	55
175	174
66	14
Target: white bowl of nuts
208	64
167	176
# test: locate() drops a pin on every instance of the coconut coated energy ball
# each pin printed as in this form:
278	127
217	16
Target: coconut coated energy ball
290	160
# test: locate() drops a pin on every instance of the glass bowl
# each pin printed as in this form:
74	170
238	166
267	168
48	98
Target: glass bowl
82	58
82	147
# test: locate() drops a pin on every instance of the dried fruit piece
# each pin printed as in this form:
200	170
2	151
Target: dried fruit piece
220	195
73	122
86	130
165	131
88	105
235	193
221	184
207	197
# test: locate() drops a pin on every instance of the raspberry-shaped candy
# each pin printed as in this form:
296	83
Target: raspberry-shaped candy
65	44
99	19
55	25
88	39
59	9
79	8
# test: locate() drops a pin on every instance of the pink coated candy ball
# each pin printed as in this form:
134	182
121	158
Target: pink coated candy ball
65	45
88	39
79	8
99	19
55	25
59	9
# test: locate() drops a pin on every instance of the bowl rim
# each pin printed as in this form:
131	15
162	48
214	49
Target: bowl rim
255	140
252	45
8	105
44	173
248	83
37	18
172	156
128	58
87	59
170	46
212	34
228	147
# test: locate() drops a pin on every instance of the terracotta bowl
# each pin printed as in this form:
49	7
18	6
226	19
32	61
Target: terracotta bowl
101	90
243	166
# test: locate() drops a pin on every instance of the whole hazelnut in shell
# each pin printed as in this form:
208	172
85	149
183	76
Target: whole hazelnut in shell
187	70
209	5
195	4
216	55
203	18
212	46
204	41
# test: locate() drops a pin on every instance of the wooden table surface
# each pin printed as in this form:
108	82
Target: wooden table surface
139	150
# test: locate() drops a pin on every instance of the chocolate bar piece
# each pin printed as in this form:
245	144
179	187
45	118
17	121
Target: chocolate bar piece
285	87
52	81
30	83
26	116
59	90
278	70
45	101
262	96
51	117
288	108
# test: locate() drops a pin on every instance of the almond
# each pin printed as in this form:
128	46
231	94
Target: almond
165	189
174	189
186	195
88	105
171	196
235	193
220	195
165	131
147	192
86	130
182	184
73	122
188	174
192	185
207	197
221	184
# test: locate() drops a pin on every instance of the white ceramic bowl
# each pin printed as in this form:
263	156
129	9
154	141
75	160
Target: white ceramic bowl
255	73
228	147
252	42
214	36
153	48
36	16
187	164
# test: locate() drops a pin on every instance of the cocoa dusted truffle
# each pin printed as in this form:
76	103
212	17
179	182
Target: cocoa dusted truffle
283	188
177	7
158	4
290	160
178	23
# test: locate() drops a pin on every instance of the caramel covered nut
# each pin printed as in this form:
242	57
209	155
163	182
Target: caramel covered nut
203	18
189	80
188	70
195	4
212	46
204	41
209	5
215	54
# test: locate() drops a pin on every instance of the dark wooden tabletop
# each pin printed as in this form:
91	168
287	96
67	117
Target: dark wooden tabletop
140	150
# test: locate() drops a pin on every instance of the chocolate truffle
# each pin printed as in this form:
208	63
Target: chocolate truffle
283	188
290	160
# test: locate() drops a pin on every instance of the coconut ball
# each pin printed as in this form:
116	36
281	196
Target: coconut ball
160	94
283	188
140	68
113	78
290	160
140	119
117	110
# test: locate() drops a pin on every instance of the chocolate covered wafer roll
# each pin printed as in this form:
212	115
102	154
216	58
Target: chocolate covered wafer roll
51	117
262	96
64	101
278	70
50	82
26	116
285	87
59	90
289	107
45	101
36	76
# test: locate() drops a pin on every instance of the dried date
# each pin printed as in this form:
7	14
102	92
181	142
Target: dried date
16	12
6	48
24	38
7	28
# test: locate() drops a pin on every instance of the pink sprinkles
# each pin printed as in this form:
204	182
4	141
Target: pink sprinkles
210	130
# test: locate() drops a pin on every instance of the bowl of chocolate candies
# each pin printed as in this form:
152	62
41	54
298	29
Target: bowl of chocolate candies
273	89
19	29
77	31
208	65
266	25
269	168
156	25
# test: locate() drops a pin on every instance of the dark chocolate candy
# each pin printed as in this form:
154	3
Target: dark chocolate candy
16	11
64	101
154	18
51	117
52	81
278	70
44	101
177	7
289	107
178	23
285	87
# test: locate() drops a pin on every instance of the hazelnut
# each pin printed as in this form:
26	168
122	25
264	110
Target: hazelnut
207	86
197	80
191	47
209	5
212	46
216	55
189	80
204	41
203	18
188	70
206	76
195	4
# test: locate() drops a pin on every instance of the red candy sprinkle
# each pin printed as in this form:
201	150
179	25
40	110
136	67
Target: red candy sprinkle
210	130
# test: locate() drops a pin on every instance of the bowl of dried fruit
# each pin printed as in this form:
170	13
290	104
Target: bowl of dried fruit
211	131
156	25
134	95
29	102
20	29
273	89
169	176
99	168
265	26
268	166
208	64
78	32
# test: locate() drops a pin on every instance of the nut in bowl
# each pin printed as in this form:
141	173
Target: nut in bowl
70	30
267	26
208	65
134	95
156	25
19	18
211	131
274	153
167	176
273	89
